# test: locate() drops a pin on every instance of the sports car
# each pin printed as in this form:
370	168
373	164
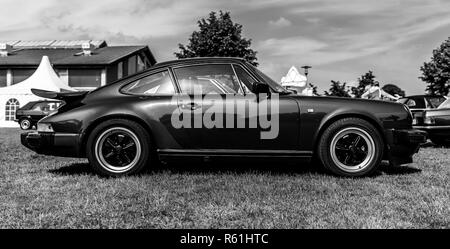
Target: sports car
219	109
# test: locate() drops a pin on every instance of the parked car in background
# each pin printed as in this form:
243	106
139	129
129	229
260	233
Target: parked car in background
418	103
32	112
436	122
130	124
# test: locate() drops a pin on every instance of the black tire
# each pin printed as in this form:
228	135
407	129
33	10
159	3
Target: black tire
117	136
25	124
347	158
439	141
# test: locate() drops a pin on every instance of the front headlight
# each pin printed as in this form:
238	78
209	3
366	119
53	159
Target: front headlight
44	127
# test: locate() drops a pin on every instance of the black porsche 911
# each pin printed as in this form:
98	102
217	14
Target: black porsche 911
219	108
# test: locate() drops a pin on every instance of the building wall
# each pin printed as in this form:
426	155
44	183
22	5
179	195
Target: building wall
82	77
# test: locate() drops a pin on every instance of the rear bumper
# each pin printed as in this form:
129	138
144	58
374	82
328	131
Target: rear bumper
403	144
53	144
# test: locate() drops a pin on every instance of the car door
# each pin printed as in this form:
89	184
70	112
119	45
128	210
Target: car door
222	111
284	131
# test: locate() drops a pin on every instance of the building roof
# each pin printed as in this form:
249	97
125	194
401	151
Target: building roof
68	53
55	43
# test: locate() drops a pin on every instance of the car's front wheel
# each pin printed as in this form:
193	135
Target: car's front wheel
25	124
118	147
440	141
351	147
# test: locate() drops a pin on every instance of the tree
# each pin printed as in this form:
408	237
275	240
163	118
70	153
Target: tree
393	90
365	80
314	89
218	36
436	72
338	89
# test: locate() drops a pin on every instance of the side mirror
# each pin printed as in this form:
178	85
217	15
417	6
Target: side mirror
259	88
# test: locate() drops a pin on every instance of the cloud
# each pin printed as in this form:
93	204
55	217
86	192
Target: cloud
331	35
280	23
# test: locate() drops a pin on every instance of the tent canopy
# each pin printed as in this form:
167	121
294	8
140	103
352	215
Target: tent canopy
44	78
294	78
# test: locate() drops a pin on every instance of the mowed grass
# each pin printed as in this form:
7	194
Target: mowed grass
49	192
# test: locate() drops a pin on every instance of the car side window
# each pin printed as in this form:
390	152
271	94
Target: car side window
418	103
207	79
38	107
246	79
154	84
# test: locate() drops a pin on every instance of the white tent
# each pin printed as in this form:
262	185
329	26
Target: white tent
17	95
296	81
294	78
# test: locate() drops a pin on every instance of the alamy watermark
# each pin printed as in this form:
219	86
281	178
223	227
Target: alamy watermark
228	111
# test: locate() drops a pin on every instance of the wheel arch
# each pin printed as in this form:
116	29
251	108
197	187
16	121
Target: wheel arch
88	130
331	119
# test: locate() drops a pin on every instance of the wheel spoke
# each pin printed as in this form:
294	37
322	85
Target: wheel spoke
340	147
347	157
110	154
129	145
127	158
356	141
109	142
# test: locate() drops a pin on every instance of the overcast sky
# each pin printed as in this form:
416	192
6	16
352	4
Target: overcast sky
341	39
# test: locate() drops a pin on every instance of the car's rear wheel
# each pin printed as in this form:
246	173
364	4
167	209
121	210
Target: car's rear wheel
351	147
118	147
25	124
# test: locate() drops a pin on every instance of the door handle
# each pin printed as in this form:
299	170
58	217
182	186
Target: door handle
190	106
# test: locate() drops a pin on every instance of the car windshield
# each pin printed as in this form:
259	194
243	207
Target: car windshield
402	101
445	104
273	84
436	101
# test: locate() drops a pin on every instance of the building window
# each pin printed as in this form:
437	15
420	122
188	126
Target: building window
120	70
20	75
3	74
132	65
85	77
63	75
11	107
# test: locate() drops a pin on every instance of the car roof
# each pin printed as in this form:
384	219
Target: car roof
423	96
197	60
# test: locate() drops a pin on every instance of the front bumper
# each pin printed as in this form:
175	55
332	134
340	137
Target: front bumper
403	144
53	144
435	130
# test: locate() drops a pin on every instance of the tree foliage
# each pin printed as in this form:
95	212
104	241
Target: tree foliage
338	89
314	89
218	36
365	80
393	90
436	72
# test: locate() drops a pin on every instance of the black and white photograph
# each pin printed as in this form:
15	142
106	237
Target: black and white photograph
201	116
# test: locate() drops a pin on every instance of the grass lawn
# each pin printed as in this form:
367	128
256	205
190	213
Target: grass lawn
49	192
